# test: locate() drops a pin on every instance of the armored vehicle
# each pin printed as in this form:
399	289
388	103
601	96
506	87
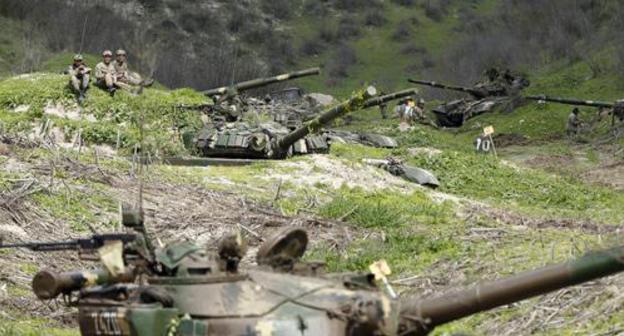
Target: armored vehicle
185	289
270	140
230	104
494	94
617	107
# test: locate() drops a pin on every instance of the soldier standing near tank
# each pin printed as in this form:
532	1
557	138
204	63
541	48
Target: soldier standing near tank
124	75
574	123
79	77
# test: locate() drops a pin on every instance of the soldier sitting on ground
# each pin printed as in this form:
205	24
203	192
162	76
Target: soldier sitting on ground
124	75
105	74
79	77
574	123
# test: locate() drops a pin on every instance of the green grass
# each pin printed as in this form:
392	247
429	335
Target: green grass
154	109
32	327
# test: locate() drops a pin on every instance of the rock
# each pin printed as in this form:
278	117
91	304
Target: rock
322	99
4	149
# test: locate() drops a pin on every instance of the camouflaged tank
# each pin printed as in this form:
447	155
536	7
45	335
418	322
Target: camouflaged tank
233	106
184	289
271	140
497	94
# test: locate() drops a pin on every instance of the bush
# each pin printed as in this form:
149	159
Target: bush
436	10
375	19
402	32
281	9
327	34
428	62
405	3
314	8
355	5
343	57
311	47
412	49
348	28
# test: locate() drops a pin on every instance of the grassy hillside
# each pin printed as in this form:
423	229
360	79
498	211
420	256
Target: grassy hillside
490	217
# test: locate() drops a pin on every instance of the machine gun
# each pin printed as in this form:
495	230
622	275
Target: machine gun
124	256
617	106
82	244
259	82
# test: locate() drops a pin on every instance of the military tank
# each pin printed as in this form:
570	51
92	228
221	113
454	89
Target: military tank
270	140
617	107
494	94
183	289
231	105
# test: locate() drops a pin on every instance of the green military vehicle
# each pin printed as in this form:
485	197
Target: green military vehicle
499	94
184	289
270	140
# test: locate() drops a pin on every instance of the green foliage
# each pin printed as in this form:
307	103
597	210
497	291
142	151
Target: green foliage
80	206
399	218
155	110
32	327
483	177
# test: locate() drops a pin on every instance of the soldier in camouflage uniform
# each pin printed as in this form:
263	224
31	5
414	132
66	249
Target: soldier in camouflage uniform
574	123
79	77
126	76
105	73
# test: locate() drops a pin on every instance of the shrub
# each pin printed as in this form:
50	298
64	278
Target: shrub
375	19
311	47
281	9
405	3
402	32
412	49
348	28
343	57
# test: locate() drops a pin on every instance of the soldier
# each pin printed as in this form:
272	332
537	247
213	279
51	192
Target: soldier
383	108
79	77
126	76
574	123
105	73
419	109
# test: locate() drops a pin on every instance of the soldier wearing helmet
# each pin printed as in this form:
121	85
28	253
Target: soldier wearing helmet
126	76
79	77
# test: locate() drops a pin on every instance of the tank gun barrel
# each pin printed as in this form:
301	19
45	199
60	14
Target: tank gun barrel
354	103
389	97
48	284
423	315
474	92
258	82
570	101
